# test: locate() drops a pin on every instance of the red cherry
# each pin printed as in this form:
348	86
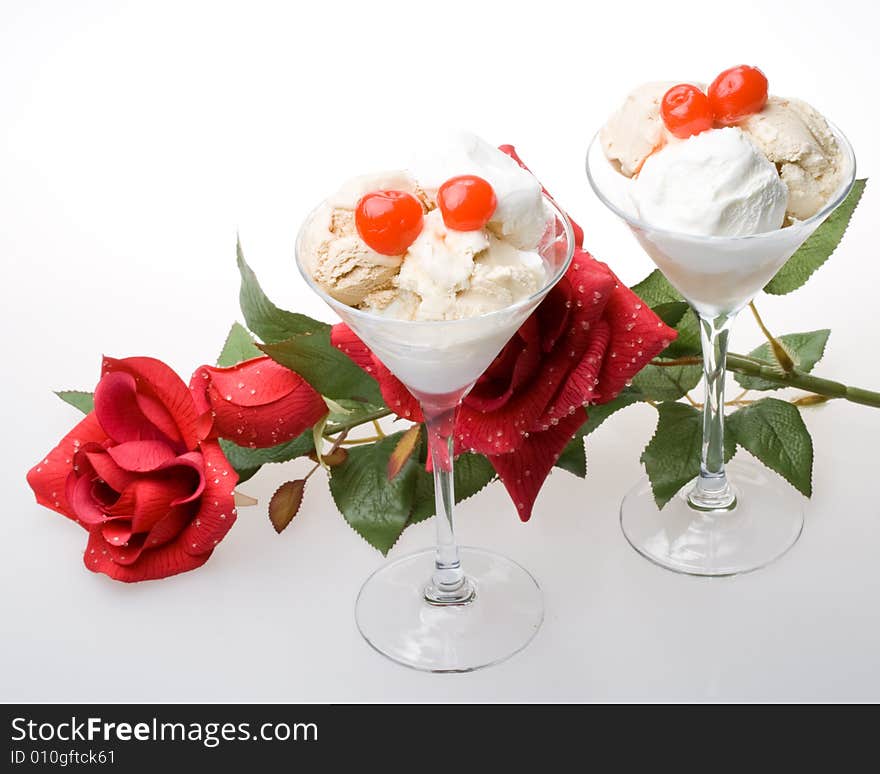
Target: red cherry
389	221
466	202
737	93
686	111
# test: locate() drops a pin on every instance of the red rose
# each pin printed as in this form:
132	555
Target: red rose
257	403
585	341
141	474
581	346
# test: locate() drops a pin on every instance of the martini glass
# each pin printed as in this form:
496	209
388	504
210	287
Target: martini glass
732	518
449	609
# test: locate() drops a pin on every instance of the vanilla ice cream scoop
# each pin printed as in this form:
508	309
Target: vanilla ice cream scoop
716	183
796	138
339	260
636	129
520	216
444	274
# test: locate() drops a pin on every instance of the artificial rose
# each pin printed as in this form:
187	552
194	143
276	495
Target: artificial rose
257	403
142	474
581	346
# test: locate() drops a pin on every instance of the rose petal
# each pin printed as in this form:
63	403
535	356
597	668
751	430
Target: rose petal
637	335
117	532
517	363
83	504
127	548
346	340
579	387
158	415
255	382
217	512
48	478
107	470
195	461
269	424
148	499
523	472
118	410
157	380
141	456
161	562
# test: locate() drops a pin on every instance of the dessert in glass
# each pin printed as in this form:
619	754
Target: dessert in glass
435	267
720	186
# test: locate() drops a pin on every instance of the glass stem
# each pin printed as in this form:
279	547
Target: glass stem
448	585
712	491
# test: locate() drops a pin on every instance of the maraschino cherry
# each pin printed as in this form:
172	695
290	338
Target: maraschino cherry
466	202
736	93
686	111
389	221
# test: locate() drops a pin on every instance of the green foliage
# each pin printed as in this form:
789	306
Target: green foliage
672	456
667	382
323	366
84	401
818	248
656	291
773	431
805	350
376	508
247	461
239	347
265	319
471	473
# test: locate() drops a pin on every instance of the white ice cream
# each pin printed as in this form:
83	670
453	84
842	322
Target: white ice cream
520	216
445	274
716	183
447	282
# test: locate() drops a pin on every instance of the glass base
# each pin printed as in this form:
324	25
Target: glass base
500	619
766	521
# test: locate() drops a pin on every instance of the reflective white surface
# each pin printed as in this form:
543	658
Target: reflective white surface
134	202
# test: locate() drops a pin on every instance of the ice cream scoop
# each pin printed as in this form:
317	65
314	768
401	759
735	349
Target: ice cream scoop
716	184
520	216
340	261
636	129
796	138
453	267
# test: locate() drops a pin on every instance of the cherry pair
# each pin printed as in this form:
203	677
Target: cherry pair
390	221
733	95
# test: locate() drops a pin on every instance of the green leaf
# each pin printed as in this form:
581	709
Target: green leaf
687	344
671	312
574	458
239	347
354	412
247	461
84	401
773	431
818	248
328	370
666	382
471	473
656	291
265	319
805	349
376	508
672	456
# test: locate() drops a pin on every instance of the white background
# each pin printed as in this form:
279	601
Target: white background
137	137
